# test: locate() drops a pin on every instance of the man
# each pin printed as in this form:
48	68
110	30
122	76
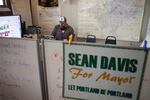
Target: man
63	30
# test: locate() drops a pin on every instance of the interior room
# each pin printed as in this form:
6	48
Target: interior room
74	49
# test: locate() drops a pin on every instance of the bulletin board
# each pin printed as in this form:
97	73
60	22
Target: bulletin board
19	70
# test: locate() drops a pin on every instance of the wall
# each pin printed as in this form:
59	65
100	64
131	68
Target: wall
34	4
68	8
22	7
71	13
48	16
145	19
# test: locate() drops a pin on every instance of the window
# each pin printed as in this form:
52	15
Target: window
5	8
4	3
1	2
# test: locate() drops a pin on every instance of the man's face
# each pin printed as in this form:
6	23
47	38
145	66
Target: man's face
62	25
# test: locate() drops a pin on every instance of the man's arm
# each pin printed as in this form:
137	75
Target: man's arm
54	32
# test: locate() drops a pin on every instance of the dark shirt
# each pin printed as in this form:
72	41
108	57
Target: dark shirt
62	34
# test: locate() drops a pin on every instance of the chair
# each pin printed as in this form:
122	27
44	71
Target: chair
110	40
91	38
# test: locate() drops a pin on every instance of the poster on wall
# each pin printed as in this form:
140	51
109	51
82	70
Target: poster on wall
48	3
110	73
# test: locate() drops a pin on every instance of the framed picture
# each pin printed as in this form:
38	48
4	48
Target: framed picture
48	3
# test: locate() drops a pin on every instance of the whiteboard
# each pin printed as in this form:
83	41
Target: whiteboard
120	18
54	68
19	70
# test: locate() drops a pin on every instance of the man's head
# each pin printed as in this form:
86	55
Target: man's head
63	22
62	19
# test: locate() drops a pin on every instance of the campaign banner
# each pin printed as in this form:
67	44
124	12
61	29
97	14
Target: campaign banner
97	72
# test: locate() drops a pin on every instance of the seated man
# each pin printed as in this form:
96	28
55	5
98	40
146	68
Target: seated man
62	31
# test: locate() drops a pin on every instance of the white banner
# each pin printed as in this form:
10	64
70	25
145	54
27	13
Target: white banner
101	72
